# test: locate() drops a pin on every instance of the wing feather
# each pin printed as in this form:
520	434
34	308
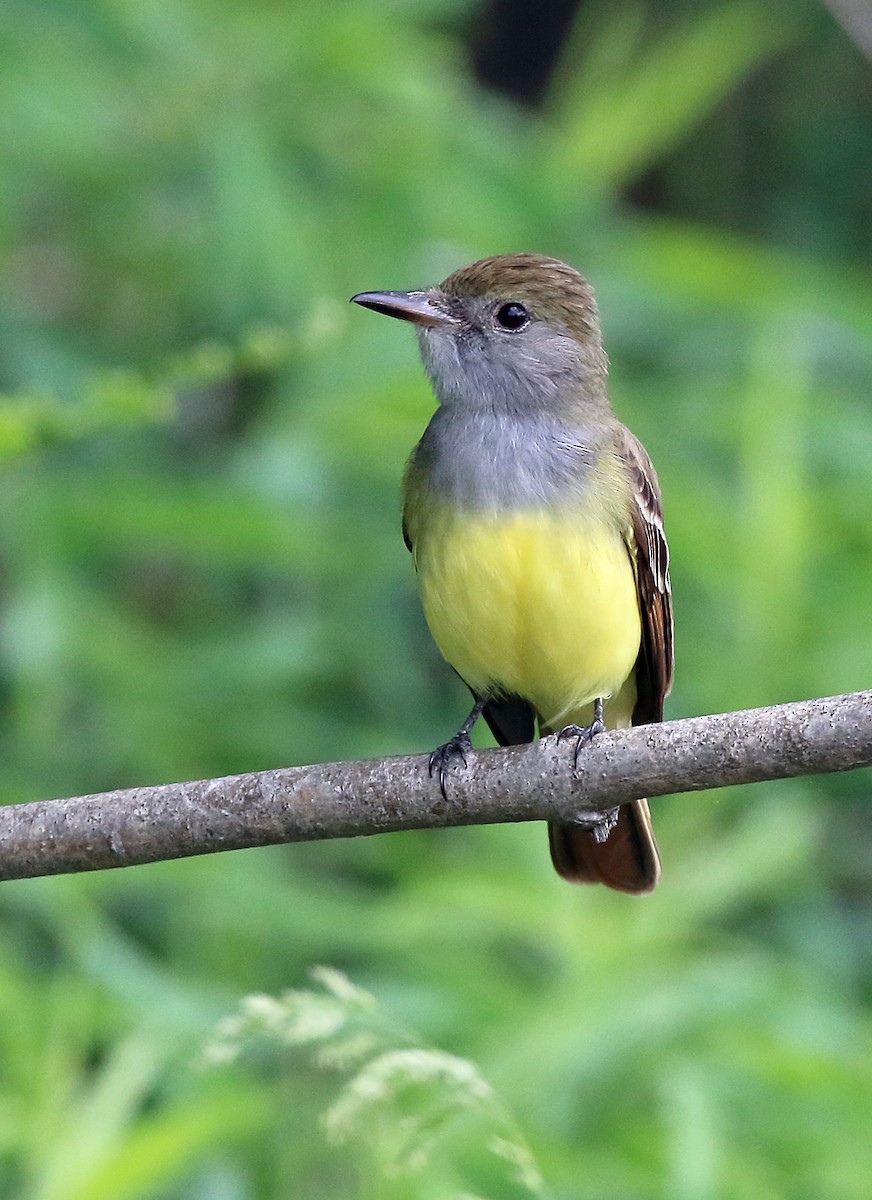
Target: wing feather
649	552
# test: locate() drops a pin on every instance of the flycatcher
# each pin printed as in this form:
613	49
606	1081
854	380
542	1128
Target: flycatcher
534	520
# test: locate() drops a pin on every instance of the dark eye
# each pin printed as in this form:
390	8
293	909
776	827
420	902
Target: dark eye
513	316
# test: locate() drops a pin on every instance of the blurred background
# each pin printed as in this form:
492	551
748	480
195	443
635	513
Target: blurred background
201	573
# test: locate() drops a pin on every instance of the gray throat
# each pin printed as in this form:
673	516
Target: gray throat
490	460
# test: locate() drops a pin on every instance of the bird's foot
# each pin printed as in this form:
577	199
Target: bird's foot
444	758
599	823
584	734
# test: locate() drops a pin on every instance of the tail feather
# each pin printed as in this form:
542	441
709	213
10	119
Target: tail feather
627	860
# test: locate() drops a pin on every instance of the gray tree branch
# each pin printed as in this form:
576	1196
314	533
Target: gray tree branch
855	17
351	799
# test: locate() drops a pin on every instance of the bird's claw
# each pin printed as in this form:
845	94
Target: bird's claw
599	823
583	734
443	757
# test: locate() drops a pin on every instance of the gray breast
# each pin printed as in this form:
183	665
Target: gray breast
485	460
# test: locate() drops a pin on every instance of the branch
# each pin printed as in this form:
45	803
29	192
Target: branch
855	17
519	783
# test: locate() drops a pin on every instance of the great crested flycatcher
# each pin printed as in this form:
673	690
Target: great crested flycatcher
534	520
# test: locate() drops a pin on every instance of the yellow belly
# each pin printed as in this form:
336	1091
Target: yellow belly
538	605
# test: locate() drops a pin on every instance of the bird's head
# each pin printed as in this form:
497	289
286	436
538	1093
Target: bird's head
517	332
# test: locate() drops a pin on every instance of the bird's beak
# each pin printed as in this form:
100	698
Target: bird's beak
421	308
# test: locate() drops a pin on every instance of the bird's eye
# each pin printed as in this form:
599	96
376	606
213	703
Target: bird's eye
512	316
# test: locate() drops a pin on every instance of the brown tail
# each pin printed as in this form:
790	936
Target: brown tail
627	860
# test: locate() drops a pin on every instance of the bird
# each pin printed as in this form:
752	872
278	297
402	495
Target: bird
535	524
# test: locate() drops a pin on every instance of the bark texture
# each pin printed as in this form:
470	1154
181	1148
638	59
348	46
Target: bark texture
353	799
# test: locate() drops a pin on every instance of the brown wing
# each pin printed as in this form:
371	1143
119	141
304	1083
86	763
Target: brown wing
650	554
628	859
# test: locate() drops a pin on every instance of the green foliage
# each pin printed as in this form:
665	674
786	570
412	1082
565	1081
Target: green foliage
200	451
412	1109
623	101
